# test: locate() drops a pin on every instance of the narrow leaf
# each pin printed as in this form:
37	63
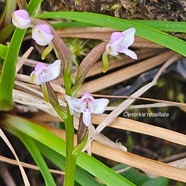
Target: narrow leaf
9	65
143	31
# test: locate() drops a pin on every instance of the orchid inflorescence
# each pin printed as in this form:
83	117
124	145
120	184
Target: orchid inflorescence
83	107
41	33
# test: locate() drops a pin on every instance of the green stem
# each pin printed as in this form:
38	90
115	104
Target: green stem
70	165
68	82
70	158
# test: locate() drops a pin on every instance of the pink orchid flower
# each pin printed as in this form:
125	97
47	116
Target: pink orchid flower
43	73
86	105
120	42
41	34
21	19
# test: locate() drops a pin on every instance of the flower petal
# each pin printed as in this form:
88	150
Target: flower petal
128	37
87	118
21	19
54	70
111	50
130	53
115	36
35	75
41	34
119	43
35	79
43	74
74	104
87	102
100	105
40	67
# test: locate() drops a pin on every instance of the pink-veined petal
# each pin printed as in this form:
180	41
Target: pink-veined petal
100	105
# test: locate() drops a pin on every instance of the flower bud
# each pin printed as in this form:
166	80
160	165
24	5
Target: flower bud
21	19
41	34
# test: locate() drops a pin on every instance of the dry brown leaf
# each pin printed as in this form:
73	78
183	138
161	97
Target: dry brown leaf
5	139
27	165
125	73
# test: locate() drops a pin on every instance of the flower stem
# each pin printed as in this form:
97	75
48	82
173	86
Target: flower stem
70	158
70	165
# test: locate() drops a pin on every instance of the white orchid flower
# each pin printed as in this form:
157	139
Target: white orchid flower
43	73
120	42
87	105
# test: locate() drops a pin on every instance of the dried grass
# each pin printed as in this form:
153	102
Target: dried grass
29	95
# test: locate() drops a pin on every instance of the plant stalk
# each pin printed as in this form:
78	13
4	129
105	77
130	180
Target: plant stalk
70	158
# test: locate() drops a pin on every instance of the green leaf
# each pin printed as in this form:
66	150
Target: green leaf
142	30
8	71
140	179
5	21
3	50
34	151
81	176
160	181
131	174
90	164
71	24
9	65
6	32
168	26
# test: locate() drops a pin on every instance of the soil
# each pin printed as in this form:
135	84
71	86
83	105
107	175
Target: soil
174	10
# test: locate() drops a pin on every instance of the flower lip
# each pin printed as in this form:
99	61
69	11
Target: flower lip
21	19
41	34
